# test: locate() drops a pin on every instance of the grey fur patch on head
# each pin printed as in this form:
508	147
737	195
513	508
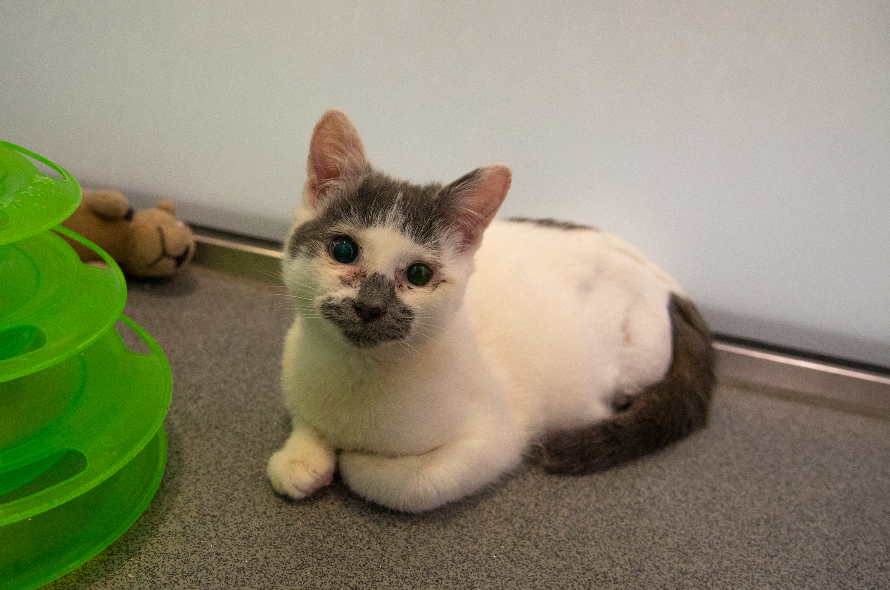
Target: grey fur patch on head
424	213
554	223
376	315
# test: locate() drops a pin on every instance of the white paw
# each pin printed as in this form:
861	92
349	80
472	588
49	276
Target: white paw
299	470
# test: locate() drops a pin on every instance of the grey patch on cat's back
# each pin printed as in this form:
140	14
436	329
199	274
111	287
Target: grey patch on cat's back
376	315
553	223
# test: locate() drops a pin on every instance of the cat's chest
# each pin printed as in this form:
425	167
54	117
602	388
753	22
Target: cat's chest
384	409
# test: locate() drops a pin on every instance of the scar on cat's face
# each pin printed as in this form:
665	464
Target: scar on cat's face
353	277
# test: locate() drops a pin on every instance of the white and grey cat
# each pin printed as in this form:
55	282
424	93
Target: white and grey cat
433	348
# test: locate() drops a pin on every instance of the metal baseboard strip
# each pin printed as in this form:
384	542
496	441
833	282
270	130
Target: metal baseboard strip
804	380
740	366
244	257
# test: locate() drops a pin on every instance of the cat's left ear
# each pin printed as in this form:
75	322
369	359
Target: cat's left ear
475	198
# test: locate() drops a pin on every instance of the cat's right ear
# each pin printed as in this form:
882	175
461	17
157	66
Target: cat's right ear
475	198
336	153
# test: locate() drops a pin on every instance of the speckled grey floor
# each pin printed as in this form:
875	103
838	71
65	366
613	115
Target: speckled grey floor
774	494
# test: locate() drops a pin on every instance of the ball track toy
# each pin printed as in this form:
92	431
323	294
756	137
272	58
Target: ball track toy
82	443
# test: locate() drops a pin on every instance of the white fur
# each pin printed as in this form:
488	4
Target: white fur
549	327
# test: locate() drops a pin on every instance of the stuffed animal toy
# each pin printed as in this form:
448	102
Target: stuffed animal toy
146	243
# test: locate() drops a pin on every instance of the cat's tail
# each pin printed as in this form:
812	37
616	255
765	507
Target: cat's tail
657	416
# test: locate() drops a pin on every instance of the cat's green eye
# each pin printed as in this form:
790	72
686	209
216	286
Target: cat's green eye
419	274
344	250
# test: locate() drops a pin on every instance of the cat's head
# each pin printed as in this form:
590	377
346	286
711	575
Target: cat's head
376	261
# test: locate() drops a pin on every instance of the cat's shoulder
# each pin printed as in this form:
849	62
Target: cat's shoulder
548	223
528	233
542	229
564	246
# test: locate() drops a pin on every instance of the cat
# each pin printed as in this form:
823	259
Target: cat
434	349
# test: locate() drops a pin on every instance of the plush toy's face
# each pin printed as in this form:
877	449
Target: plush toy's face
161	243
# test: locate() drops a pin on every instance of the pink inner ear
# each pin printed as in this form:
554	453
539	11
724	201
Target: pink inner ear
482	201
336	151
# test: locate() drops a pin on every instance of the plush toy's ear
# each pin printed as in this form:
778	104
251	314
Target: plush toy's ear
107	204
475	198
336	154
167	206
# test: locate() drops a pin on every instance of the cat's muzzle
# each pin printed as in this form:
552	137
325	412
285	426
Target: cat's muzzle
376	315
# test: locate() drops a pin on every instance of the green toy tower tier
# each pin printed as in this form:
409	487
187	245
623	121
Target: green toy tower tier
52	306
82	444
31	202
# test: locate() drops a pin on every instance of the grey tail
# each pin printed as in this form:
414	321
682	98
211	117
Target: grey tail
652	419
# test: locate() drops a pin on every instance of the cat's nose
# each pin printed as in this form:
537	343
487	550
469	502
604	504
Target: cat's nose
368	311
375	295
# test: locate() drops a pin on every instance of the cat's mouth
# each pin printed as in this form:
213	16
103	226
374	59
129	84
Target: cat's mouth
365	325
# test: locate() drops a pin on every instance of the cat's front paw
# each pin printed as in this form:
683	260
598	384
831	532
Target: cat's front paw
300	468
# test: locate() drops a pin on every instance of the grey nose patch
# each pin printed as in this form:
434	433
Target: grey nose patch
374	316
376	295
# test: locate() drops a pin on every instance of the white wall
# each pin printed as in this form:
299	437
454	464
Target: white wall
744	145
